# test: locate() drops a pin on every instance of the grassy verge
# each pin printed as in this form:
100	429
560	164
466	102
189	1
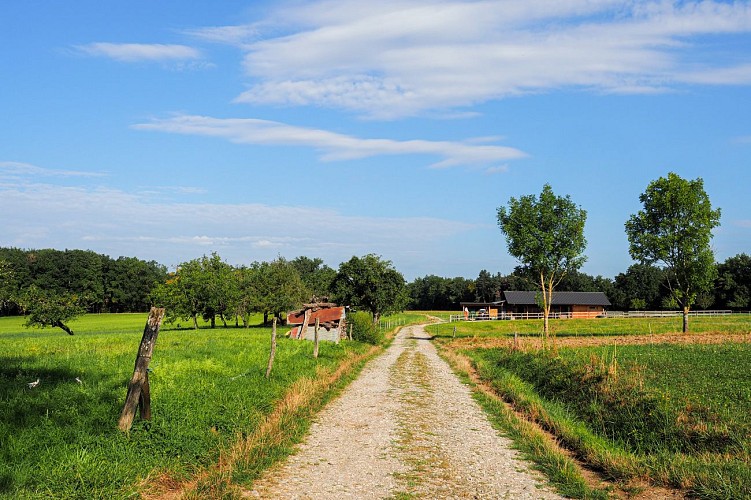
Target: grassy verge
650	419
534	444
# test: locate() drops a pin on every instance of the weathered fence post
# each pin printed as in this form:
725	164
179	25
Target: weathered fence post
273	349
315	338
139	394
455	332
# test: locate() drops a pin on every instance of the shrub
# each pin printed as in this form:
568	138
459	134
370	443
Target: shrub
363	328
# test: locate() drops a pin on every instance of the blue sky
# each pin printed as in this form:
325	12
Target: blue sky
168	130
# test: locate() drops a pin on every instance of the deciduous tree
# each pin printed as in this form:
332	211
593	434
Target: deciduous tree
546	235
674	230
371	284
48	308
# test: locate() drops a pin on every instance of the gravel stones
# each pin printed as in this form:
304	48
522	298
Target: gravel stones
407	427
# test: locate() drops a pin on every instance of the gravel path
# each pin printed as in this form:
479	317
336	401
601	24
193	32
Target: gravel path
407	427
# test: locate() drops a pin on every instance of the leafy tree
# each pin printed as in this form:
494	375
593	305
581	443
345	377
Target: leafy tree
315	275
128	283
486	288
674	229
733	285
48	308
546	235
205	286
8	285
640	287
434	293
371	284
279	287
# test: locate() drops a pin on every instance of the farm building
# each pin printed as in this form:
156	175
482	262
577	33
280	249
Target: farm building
517	304
331	321
564	304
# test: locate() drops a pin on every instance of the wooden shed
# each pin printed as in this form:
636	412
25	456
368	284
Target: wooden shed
331	321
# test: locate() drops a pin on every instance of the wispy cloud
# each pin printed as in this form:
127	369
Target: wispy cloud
17	170
405	57
137	52
116	222
745	139
331	145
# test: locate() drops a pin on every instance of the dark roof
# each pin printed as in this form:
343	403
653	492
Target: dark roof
559	298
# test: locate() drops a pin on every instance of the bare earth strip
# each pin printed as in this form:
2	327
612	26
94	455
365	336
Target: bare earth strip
407	427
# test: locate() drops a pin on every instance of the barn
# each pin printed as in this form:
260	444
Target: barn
563	305
521	304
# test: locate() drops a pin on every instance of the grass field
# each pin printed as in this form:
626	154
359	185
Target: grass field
737	323
60	438
678	414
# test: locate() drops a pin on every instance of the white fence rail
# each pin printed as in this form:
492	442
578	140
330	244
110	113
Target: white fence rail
579	315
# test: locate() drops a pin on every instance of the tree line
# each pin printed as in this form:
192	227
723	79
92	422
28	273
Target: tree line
94	282
50	287
640	287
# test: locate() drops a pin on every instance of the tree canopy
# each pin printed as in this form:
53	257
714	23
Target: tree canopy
371	284
546	235
674	230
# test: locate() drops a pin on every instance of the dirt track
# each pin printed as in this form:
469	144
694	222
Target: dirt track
407	427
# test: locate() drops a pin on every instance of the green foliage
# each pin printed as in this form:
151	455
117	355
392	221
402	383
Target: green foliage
733	286
279	287
437	293
60	438
315	275
100	283
546	235
47	308
364	329
674	229
371	284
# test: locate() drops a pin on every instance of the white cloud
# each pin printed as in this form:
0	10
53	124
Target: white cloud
333	146
117	223
136	52
399	58
16	170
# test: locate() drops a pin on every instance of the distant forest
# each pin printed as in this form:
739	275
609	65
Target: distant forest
126	284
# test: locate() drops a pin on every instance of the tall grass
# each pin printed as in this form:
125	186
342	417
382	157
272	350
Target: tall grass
631	419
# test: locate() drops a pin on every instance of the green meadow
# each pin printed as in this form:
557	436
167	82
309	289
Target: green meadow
736	323
60	438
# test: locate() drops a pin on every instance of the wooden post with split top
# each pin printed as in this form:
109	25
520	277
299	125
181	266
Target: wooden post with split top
139	394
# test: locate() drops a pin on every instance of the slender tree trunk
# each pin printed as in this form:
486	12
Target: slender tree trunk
545	310
195	322
138	389
273	349
685	319
213	321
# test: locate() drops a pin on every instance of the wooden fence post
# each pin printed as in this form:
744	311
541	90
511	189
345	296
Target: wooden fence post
139	394
315	338
273	349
